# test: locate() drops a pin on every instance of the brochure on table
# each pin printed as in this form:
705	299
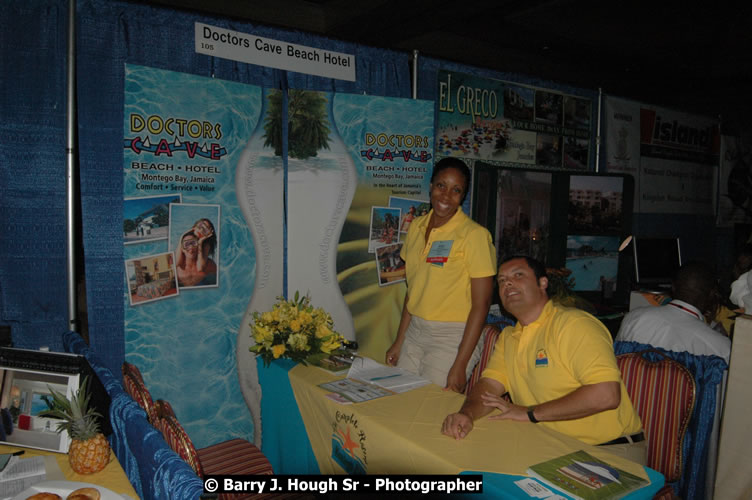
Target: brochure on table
368	379
19	473
389	377
585	477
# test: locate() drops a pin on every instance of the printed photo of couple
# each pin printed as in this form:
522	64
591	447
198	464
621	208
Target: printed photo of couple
194	239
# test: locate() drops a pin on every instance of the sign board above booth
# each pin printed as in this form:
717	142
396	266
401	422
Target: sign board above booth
252	49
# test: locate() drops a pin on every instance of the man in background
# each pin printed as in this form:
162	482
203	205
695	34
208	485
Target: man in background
682	324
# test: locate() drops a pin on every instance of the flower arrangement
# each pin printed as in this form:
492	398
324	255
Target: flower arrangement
294	329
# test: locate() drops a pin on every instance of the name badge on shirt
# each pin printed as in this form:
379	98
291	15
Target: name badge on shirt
439	252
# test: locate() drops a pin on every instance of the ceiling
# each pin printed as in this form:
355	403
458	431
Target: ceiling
690	58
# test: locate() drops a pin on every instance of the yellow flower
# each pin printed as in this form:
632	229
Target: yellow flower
262	334
278	350
305	317
298	342
302	329
323	331
331	344
320	315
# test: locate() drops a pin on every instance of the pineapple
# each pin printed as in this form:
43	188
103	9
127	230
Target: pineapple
89	450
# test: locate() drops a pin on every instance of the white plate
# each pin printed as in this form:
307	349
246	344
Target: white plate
65	488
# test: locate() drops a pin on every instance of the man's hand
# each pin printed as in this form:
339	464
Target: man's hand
508	410
457	425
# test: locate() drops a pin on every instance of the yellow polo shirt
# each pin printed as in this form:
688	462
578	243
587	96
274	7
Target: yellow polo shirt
561	351
442	292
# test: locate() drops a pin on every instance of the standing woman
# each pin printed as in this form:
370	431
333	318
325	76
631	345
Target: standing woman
451	262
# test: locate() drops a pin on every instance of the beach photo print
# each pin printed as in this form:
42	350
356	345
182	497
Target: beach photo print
384	230
411	209
147	218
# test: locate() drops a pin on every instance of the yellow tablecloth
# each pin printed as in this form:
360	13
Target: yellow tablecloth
401	434
111	477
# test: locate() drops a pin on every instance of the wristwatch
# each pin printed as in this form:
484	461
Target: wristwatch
531	414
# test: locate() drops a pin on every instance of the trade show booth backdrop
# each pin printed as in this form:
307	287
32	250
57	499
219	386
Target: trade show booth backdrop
136	61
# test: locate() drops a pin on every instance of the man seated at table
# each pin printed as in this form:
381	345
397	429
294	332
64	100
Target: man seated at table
559	367
682	324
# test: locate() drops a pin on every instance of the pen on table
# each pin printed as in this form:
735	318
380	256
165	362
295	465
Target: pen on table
387	376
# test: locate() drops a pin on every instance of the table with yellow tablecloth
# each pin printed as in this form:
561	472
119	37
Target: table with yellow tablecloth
400	434
111	477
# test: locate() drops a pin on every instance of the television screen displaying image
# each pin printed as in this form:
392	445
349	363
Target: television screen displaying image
523	213
656	260
594	262
595	204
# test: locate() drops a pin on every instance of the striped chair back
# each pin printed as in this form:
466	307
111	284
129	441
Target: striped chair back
232	457
488	338
134	386
663	393
179	441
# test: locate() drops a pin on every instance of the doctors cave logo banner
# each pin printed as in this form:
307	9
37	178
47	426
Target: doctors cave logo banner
191	137
349	444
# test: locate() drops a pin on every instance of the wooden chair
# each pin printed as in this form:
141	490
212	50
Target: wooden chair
232	457
134	386
663	394
235	456
488	337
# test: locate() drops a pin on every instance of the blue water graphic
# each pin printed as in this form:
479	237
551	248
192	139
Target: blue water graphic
185	344
355	114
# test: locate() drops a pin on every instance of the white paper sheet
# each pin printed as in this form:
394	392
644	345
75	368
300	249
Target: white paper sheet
389	377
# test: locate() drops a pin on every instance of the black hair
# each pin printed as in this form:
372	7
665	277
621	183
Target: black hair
538	267
696	283
211	241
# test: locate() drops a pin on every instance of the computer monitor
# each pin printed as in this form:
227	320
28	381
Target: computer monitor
656	260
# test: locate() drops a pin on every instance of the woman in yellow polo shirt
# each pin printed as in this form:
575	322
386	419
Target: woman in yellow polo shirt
450	263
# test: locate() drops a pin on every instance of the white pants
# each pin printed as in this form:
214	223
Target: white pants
636	452
430	349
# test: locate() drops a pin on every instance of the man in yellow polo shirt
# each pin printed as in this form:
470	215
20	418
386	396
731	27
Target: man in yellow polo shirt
559	367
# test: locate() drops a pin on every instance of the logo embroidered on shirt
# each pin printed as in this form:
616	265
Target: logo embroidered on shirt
541	358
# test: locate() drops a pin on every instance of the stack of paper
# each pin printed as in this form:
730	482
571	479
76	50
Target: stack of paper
20	473
389	377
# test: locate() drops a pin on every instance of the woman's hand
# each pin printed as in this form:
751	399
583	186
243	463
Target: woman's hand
456	379
393	353
205	237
